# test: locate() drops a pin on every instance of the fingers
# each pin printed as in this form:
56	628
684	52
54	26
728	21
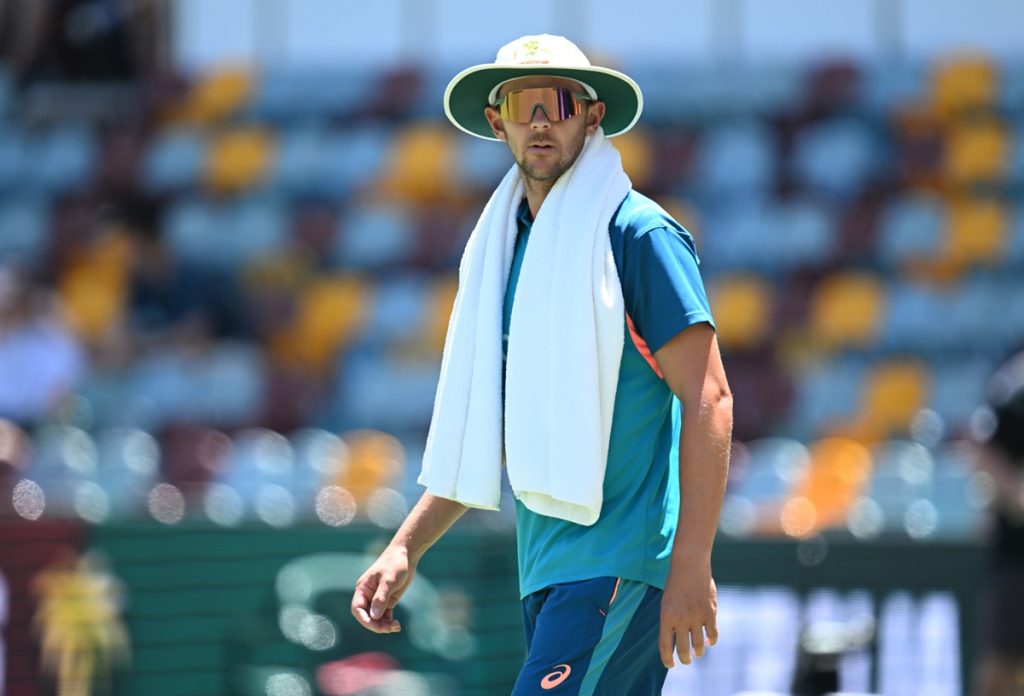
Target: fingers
712	631
683	647
697	638
665	644
381	597
368	591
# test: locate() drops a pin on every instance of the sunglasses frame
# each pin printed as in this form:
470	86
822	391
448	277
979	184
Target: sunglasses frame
577	97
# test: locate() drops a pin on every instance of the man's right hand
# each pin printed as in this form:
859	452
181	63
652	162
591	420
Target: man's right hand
379	589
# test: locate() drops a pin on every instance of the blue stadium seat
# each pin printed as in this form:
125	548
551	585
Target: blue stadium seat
255	228
805	235
310	94
889	84
958	388
228	385
775	465
226	235
193	229
827	393
299	166
398	310
1015	239
915	319
174	161
25	225
353	158
911	228
734	236
1008	328
976	307
386	394
837	157
753	88
480	164
739	159
14	157
374	235
1015	170
63	159
1011	92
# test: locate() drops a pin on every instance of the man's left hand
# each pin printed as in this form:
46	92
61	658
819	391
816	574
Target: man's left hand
688	611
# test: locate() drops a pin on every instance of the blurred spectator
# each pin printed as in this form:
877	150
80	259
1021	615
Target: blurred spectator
81	39
168	302
998	430
79	622
40	359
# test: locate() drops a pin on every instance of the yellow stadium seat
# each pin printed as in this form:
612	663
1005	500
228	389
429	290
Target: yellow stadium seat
216	96
637	152
838	473
238	160
419	166
895	391
977	236
93	289
846	311
330	311
976	153
743	308
964	85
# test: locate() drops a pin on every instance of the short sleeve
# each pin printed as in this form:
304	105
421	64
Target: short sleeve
661	285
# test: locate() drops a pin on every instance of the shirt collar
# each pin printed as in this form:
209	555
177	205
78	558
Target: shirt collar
523	216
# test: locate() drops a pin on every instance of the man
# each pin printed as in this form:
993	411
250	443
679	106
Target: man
998	433
609	588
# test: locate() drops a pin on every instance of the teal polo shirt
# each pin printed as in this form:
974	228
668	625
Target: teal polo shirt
663	294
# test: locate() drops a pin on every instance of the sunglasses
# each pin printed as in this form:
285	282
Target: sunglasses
558	103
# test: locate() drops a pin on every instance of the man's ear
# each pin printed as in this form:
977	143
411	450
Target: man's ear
494	119
595	114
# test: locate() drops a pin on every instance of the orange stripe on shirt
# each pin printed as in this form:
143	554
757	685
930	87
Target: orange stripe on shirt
641	345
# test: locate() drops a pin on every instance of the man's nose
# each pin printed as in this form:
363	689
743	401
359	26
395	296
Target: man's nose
539	118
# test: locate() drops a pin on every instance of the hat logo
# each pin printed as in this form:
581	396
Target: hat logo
528	51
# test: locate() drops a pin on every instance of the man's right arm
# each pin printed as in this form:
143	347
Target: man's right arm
383	584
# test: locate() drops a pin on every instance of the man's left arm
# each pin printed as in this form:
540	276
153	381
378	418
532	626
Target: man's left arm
692	367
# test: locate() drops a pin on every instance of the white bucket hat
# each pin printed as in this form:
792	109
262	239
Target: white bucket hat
544	54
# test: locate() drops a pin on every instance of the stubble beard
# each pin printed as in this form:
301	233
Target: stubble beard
547	179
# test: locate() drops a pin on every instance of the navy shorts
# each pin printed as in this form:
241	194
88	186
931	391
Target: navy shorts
594	637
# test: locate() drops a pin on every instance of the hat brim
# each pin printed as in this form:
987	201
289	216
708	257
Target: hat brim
466	95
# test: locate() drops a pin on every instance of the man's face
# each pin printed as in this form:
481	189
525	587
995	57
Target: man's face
542	148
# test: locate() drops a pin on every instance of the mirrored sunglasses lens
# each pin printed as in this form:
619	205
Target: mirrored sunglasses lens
558	104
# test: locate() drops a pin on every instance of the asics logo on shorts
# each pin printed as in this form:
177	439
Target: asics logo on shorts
552	680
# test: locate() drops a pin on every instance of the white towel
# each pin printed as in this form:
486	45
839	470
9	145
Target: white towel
565	346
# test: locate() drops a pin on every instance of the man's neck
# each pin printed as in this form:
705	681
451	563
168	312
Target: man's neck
536	192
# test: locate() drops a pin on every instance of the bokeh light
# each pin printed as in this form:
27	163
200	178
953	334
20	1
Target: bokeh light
223	505
28	499
166	503
335	506
275	505
316	632
866	519
287	684
921	519
91	502
387	508
799	516
141	453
